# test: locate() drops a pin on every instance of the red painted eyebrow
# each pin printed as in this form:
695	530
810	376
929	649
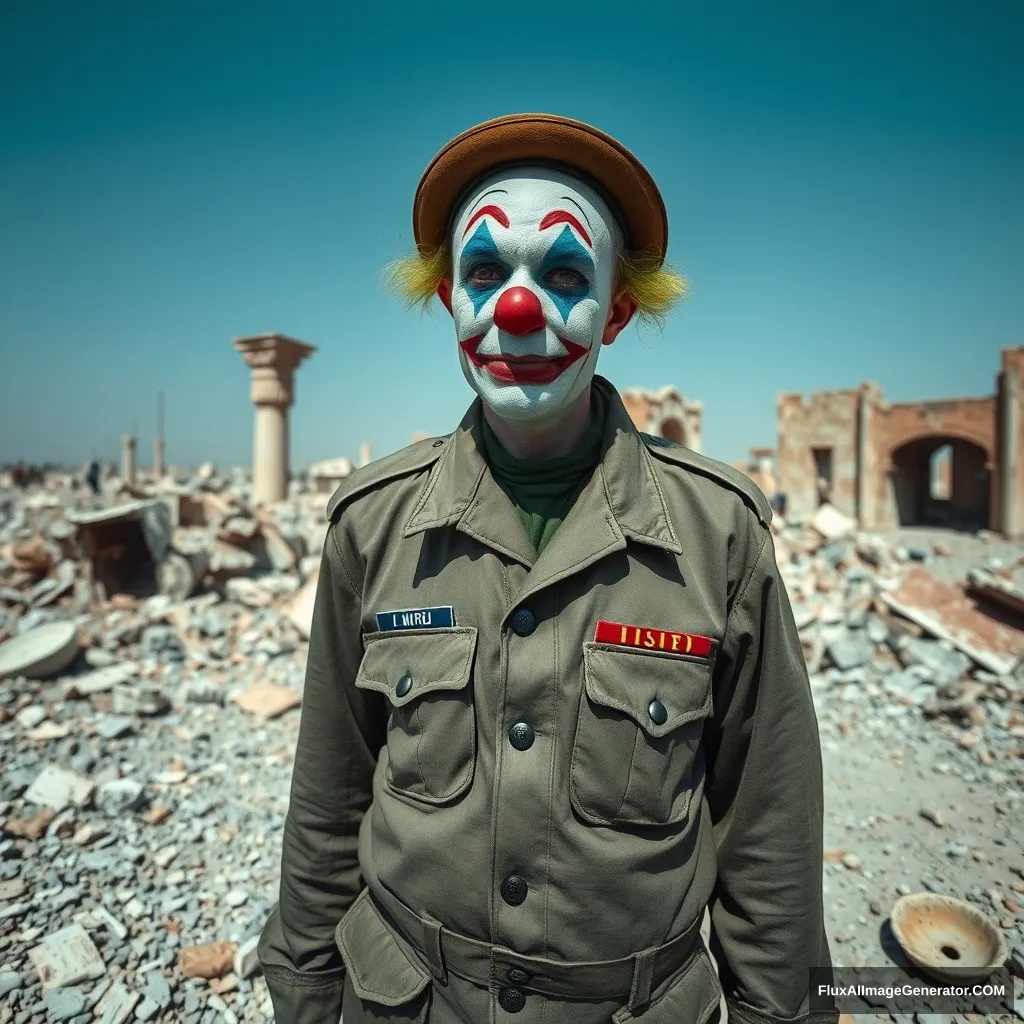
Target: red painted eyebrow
564	217
494	211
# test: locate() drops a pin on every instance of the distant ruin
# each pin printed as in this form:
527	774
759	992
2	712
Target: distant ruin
939	462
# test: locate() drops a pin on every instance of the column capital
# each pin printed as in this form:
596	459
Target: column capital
273	359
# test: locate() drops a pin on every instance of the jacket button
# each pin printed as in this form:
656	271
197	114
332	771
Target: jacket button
521	736
404	685
513	890
511	1000
523	622
658	713
517	976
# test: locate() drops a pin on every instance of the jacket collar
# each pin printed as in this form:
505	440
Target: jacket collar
623	499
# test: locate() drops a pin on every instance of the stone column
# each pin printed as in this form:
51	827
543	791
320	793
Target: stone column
128	444
158	458
1011	451
365	457
273	359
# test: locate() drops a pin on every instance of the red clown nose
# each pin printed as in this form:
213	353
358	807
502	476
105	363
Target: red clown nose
518	311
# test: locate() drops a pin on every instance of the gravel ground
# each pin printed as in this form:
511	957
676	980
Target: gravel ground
882	772
182	845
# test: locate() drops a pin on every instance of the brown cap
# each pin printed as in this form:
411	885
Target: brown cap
549	139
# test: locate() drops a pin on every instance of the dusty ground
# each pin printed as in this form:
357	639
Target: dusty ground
879	776
207	869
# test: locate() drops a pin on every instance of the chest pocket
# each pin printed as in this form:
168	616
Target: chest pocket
637	762
426	675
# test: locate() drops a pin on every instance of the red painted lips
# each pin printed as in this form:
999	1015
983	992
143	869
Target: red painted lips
523	369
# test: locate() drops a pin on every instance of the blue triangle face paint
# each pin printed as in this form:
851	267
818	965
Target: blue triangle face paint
480	249
566	251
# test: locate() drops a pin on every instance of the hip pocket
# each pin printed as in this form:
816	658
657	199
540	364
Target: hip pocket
637	754
381	981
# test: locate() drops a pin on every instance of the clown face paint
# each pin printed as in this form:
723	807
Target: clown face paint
533	260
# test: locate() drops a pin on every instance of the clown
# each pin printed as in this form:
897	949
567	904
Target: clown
555	705
535	270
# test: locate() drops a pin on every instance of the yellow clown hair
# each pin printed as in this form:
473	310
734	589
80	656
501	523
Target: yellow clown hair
654	287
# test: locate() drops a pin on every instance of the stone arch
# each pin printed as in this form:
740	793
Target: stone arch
943	437
968	503
672	429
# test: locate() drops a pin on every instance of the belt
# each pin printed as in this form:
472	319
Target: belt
629	978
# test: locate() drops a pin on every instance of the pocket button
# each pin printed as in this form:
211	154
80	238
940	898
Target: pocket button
517	976
658	712
404	685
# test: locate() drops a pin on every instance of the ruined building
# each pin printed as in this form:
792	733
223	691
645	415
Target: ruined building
666	413
944	462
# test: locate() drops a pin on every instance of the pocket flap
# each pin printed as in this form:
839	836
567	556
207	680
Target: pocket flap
379	970
431	659
630	682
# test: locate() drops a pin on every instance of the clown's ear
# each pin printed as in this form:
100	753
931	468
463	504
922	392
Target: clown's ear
444	293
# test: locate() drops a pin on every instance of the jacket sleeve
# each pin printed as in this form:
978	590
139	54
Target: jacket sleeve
765	796
341	731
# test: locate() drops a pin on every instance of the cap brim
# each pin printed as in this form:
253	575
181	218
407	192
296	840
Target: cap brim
548	139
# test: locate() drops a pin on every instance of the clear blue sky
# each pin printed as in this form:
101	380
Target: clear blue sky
843	180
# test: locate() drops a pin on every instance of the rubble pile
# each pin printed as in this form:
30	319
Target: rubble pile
916	680
874	660
152	642
149	649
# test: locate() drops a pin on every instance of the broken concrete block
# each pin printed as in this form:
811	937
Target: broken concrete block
179	575
944	666
58	788
226	560
831	523
66	958
850	650
238	531
299	611
140	699
247	961
64	1003
120	796
116	1005
248	592
280	554
101	680
267	700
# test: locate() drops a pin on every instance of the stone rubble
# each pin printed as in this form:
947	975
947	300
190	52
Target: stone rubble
143	787
915	732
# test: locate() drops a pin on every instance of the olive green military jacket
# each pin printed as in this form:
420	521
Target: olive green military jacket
506	818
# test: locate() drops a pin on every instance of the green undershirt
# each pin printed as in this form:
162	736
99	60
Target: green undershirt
544	490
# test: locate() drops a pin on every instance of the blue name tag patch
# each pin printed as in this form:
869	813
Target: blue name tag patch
416	618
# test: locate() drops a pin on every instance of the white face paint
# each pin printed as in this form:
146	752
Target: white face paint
533	258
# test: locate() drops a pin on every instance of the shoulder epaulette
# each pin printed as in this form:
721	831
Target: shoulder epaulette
407	460
719	471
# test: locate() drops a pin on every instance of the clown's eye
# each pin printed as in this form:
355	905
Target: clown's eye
485	275
563	279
